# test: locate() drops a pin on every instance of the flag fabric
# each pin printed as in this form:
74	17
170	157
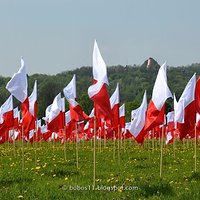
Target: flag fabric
114	103
137	125
98	92
122	116
185	113
6	119
17	86
55	117
197	96
6	113
76	112
156	107
33	101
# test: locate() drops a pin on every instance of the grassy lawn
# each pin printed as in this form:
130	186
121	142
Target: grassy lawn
130	173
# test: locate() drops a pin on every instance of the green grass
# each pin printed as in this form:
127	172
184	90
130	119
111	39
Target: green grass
47	175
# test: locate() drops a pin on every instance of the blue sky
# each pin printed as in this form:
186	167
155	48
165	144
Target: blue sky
55	36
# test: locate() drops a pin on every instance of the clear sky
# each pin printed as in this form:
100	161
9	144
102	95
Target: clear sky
58	35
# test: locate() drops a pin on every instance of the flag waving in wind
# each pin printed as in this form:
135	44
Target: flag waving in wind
76	112
156	108
98	92
17	86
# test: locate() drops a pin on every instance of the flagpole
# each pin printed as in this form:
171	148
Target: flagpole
94	154
161	151
118	145
104	137
22	148
174	145
77	145
195	149
35	142
13	142
114	145
65	140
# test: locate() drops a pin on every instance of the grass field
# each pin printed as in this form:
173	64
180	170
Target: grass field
131	173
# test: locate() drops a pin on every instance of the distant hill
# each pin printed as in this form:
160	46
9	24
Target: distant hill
133	81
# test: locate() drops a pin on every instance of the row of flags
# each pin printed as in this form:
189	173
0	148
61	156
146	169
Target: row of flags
107	115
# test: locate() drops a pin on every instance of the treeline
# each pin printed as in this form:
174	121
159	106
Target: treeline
133	81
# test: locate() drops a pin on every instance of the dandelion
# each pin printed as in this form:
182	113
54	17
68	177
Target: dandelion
54	175
66	178
38	167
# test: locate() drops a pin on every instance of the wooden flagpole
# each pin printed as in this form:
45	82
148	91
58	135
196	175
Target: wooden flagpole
118	145
195	149
77	145
94	154
114	145
65	140
22	148
13	139
104	137
161	151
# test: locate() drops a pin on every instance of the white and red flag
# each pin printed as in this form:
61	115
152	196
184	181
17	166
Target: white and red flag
156	107
137	125
54	115
185	112
98	92
6	119
76	111
17	86
114	103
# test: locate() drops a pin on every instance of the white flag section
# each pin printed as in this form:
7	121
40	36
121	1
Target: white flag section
138	123
6	107
169	137
186	98
170	117
32	100
134	114
161	91
67	117
114	99
70	90
99	66
56	108
122	110
17	86
47	113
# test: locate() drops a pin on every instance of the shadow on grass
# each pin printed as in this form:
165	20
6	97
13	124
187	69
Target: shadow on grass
194	176
14	181
63	173
158	189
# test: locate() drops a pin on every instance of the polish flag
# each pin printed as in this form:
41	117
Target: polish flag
185	113
170	128
55	117
6	114
197	96
114	103
122	116
16	115
136	127
156	107
98	92
29	112
17	86
76	111
33	101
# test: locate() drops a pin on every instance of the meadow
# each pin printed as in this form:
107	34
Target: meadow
130	172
